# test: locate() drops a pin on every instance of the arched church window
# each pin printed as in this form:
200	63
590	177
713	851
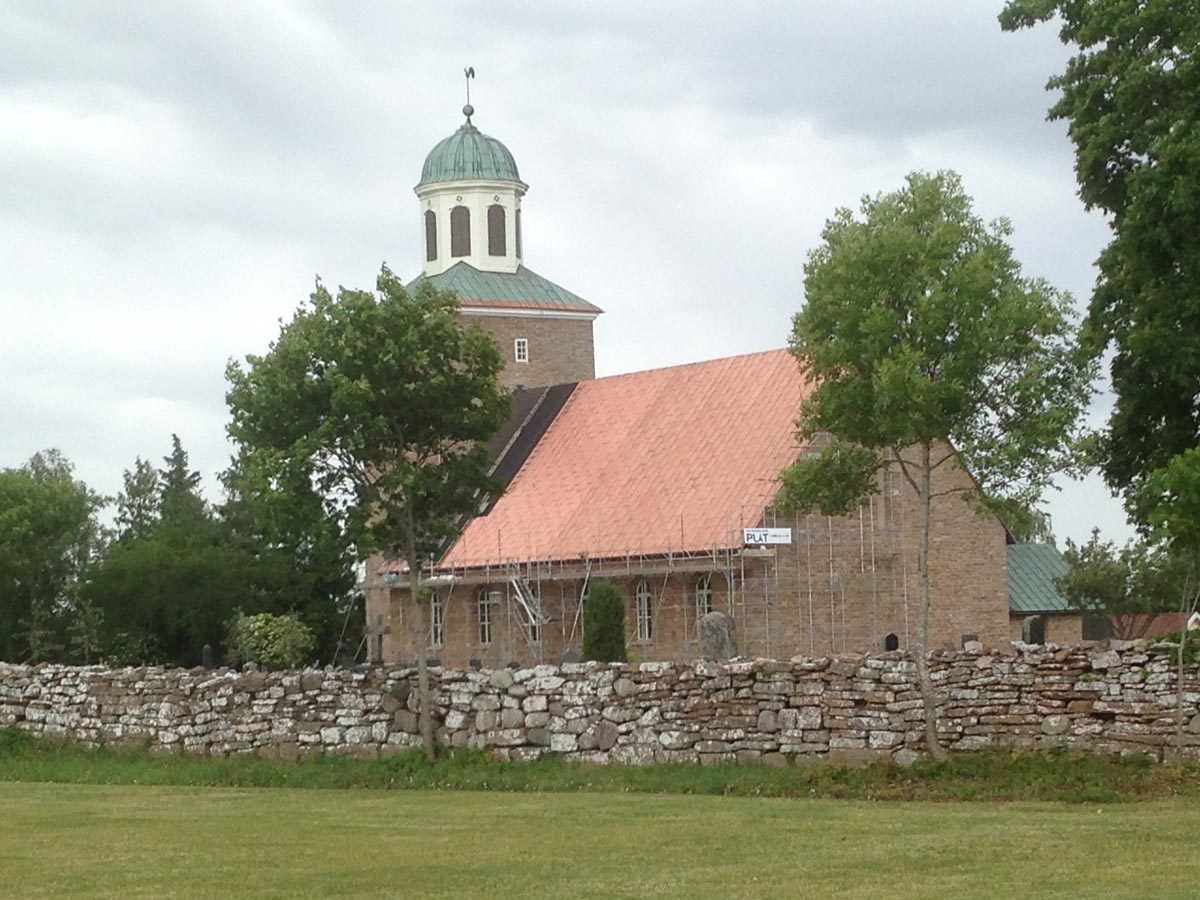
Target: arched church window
437	619
645	621
430	235
517	216
489	601
460	231
891	642
497	236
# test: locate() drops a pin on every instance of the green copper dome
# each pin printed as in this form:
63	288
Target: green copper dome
469	155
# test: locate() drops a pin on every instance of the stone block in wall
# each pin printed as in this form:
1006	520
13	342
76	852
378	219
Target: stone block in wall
677	740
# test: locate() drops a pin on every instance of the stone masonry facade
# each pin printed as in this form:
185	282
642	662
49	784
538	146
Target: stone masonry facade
1114	697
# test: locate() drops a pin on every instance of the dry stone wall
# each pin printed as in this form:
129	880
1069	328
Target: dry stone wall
1116	697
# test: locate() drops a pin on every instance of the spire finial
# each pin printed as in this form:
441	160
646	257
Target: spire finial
469	110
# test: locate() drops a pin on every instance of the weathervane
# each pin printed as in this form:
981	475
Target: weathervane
469	110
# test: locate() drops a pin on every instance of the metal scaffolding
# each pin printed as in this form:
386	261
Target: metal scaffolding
840	585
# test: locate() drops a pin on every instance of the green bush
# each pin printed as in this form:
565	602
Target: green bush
277	642
125	649
604	623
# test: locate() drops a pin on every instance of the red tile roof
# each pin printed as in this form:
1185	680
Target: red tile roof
668	460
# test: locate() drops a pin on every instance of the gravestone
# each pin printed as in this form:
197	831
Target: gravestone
206	657
716	637
569	655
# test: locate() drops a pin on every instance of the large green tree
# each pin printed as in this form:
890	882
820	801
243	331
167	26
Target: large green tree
49	536
382	402
929	349
1129	98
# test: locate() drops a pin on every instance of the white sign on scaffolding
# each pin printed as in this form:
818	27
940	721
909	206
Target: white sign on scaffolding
757	537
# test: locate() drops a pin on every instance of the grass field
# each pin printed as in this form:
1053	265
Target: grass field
59	840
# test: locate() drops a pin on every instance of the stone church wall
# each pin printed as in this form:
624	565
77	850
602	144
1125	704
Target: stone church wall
1116	697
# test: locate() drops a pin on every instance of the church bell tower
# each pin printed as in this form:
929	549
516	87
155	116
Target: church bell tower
470	196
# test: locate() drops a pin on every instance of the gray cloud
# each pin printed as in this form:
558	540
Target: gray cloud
175	175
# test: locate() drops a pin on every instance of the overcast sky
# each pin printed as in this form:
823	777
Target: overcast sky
173	176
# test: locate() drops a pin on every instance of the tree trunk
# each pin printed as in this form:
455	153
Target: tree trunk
1179	717
419	642
1191	599
929	699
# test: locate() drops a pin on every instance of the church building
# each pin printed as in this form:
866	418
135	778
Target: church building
661	482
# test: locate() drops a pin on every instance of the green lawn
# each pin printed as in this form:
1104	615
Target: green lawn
61	840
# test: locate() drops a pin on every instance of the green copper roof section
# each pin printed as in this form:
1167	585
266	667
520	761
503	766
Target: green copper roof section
523	289
1032	569
469	155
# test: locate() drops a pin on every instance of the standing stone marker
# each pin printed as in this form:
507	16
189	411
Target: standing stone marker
716	637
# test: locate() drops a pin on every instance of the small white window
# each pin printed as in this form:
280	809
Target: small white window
488	601
703	596
645	622
437	619
521	350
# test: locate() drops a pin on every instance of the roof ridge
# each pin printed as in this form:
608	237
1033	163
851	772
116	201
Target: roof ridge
694	363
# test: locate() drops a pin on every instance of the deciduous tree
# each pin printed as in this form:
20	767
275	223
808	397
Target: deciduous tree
1128	97
49	536
929	349
382	401
1169	501
1127	585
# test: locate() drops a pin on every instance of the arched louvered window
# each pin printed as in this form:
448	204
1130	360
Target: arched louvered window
497	234
430	235
460	231
517	216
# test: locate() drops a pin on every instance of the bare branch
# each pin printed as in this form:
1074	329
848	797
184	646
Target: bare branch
904	470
